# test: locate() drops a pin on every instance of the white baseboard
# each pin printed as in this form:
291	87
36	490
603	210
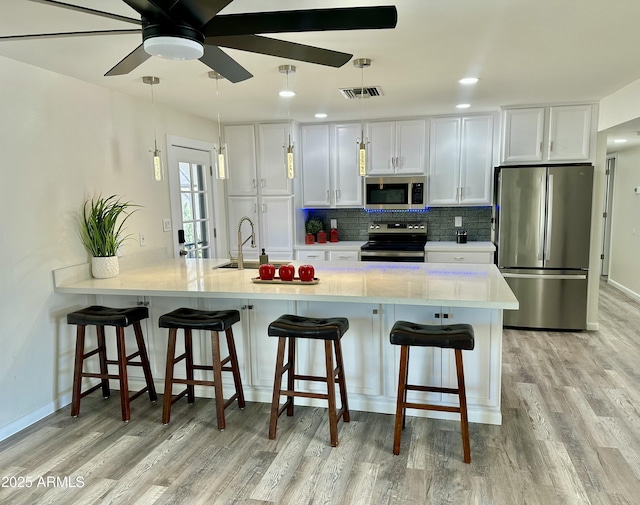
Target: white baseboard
625	290
33	417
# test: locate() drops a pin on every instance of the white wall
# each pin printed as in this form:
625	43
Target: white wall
61	141
619	107
624	268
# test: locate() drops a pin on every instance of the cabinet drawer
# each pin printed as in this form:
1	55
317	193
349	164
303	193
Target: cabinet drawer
459	257
344	255
310	256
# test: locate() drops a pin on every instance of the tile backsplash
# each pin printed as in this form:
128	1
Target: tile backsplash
352	223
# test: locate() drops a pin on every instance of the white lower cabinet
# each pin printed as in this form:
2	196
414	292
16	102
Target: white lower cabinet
371	362
344	255
327	255
311	256
459	257
273	224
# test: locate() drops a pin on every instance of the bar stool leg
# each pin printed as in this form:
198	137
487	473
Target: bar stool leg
77	371
277	385
346	416
291	360
400	405
406	381
124	380
331	394
102	356
168	376
217	379
144	359
188	349
235	367
466	448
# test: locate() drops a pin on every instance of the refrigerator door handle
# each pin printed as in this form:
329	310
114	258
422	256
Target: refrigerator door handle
547	251
541	224
546	276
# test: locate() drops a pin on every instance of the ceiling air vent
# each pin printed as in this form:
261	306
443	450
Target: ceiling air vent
353	93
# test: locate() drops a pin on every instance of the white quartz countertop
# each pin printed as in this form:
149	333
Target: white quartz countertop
333	246
454	246
444	284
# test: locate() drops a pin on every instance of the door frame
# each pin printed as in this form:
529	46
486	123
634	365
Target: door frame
605	256
216	193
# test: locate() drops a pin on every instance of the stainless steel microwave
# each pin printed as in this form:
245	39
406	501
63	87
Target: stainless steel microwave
394	193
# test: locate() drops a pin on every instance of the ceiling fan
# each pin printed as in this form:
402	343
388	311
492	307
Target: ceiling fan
190	29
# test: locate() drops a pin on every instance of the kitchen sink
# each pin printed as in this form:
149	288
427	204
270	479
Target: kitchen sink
254	264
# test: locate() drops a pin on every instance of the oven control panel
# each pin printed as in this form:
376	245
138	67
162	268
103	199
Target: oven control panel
417	227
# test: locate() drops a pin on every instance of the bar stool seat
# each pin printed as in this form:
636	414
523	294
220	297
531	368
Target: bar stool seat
100	316
328	329
458	337
214	321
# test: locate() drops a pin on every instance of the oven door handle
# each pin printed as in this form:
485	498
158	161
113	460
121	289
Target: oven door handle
393	254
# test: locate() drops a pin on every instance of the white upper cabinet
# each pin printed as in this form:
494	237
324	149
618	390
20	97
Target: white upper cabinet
316	173
272	159
539	134
241	159
257	165
461	161
330	166
396	147
569	133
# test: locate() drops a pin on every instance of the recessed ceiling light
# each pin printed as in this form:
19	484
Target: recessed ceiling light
287	93
468	80
620	141
463	106
321	115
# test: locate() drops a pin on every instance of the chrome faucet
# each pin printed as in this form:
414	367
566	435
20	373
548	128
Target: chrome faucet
241	243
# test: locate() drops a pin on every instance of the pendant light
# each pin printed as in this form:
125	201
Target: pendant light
362	63
221	162
157	160
288	93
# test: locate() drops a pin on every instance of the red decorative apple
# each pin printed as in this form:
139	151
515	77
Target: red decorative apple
306	272
287	272
266	271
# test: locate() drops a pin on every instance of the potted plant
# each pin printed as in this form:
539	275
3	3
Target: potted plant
101	233
312	227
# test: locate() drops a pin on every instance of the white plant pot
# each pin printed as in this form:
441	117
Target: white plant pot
105	267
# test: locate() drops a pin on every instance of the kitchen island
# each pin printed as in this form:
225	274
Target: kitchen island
372	295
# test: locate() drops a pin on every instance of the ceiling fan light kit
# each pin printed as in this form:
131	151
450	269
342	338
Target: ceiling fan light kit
174	48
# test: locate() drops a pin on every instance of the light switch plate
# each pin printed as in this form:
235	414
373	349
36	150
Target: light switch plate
166	224
458	221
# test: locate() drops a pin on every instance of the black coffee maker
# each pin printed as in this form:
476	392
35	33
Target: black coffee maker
461	236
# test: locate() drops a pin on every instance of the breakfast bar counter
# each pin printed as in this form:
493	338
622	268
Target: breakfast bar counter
371	295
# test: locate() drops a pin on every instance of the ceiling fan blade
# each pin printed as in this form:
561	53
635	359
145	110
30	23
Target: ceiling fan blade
37	36
349	18
87	10
216	59
283	49
130	62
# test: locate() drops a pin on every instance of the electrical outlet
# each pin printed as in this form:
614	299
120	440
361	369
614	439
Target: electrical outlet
143	240
166	224
458	221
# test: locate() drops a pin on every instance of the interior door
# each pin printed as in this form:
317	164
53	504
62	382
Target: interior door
191	185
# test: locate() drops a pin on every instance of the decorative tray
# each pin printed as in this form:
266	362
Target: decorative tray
278	280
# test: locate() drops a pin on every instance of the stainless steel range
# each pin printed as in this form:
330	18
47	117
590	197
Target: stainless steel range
395	242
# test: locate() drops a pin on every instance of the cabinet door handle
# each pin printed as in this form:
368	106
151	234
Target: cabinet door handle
337	195
540	147
458	258
312	256
399	161
551	146
255	208
264	208
263	183
328	195
253	182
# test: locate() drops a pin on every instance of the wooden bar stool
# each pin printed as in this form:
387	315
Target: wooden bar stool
329	330
120	318
453	336
213	321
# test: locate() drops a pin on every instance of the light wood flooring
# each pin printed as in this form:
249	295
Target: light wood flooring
570	435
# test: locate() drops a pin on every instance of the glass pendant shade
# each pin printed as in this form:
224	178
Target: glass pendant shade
157	165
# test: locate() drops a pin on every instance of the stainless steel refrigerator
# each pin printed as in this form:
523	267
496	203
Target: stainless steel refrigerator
543	228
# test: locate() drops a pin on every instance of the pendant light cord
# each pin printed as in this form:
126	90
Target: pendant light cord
362	102
289	111
218	113
153	117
